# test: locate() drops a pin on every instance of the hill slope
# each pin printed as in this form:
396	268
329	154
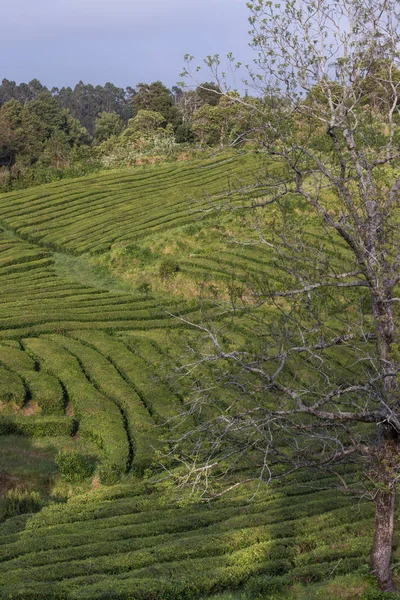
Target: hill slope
92	272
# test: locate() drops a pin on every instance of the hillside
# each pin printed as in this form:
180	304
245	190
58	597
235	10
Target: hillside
100	279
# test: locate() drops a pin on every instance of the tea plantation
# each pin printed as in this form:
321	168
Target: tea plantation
100	278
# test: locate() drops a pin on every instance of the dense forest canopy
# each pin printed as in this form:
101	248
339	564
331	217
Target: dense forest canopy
84	101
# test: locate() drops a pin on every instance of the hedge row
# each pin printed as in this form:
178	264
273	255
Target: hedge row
46	390
197	542
98	417
12	388
161	526
187	579
108	380
72	221
37	426
158	398
15	359
130	503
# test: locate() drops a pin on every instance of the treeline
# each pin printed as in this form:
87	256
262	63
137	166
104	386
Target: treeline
46	134
84	101
49	134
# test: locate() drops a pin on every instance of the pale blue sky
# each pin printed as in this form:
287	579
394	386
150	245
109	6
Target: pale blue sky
123	41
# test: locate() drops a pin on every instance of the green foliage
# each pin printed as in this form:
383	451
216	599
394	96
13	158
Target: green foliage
378	595
157	98
144	288
145	136
107	125
37	426
168	268
11	388
17	502
38	136
208	93
99	418
73	466
133	539
146	122
108	378
46	391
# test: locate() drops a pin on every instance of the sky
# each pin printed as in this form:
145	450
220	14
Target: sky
61	42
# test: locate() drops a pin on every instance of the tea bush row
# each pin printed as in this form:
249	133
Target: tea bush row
33	426
98	417
141	428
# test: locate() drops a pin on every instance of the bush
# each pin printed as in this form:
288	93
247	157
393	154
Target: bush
144	288
378	595
168	268
46	391
99	417
73	466
260	586
109	473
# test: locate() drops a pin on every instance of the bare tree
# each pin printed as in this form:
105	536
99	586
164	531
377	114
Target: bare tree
319	382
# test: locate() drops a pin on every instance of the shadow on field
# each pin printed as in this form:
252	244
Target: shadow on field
26	475
317	534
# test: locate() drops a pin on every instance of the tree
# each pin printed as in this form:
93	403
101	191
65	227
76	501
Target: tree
24	92
208	93
157	98
146	122
107	125
11	134
35	136
224	123
318	384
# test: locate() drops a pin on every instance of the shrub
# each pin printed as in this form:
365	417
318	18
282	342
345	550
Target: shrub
168	268
260	586
144	288
46	391
378	595
73	466
99	417
109	473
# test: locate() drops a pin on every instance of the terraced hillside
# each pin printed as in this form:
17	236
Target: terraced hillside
130	541
90	215
97	278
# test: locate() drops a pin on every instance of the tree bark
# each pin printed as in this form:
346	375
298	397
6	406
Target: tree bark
382	547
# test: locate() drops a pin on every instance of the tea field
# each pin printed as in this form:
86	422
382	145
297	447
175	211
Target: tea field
100	280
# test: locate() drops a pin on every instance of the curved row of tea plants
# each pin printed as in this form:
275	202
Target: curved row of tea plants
134	541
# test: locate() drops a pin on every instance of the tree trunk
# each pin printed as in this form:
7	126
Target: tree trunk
382	548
